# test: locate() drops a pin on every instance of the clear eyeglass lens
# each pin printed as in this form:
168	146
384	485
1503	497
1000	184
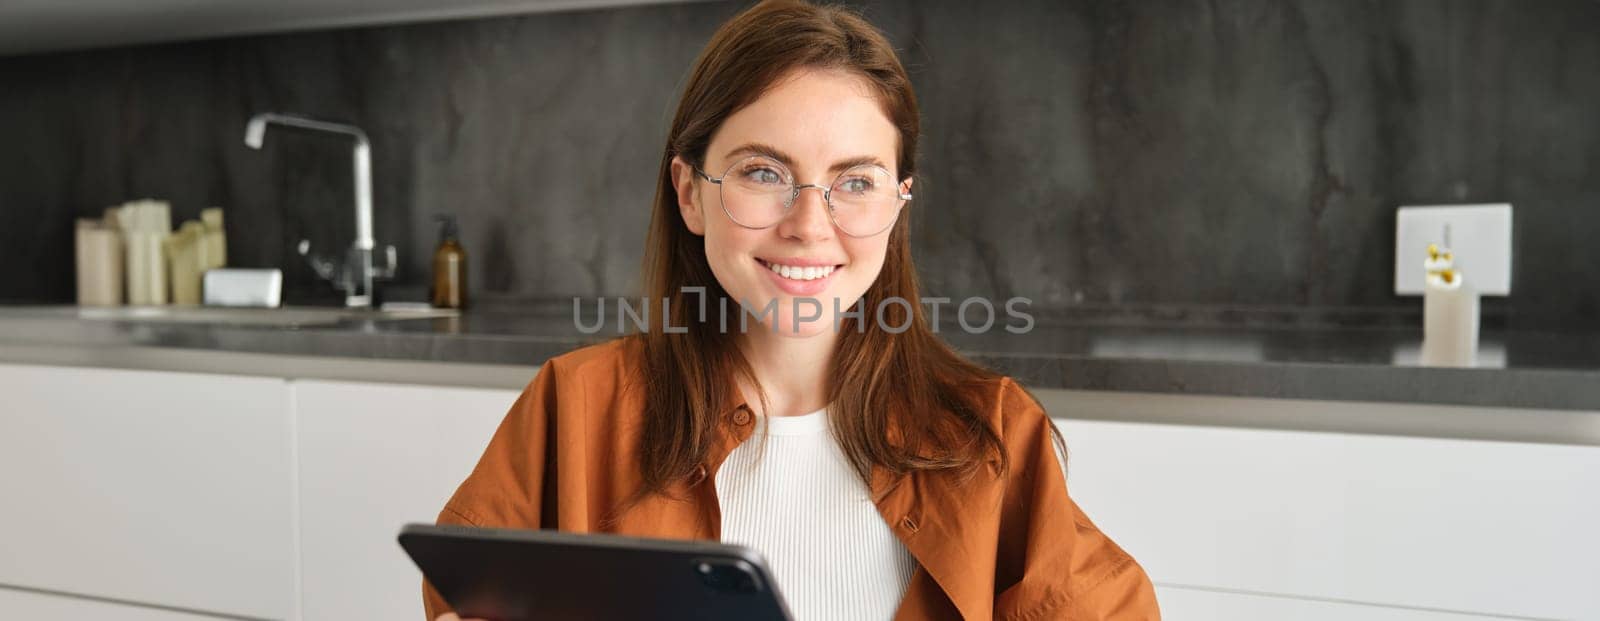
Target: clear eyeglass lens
866	200
757	193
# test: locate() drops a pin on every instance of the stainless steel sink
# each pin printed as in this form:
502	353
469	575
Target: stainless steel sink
285	316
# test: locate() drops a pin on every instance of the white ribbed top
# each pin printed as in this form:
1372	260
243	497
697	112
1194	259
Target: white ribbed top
803	508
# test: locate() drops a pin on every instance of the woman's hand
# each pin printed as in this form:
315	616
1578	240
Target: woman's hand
450	616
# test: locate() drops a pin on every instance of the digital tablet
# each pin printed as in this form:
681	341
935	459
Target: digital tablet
544	575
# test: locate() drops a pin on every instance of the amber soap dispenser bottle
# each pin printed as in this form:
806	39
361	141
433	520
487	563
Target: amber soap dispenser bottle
449	266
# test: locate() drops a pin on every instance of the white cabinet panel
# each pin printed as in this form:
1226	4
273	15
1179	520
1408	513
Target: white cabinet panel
34	606
1475	526
372	458
156	487
1181	604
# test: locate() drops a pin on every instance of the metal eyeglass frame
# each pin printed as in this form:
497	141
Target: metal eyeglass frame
794	194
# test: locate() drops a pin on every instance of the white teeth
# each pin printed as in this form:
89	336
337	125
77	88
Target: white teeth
800	273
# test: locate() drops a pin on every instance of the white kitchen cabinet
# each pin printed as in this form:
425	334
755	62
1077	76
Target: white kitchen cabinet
170	495
1185	604
374	457
152	487
35	606
1480	527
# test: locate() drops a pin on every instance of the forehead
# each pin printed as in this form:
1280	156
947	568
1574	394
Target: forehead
817	116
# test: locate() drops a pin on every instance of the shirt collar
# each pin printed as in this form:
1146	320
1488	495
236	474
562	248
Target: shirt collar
736	423
898	502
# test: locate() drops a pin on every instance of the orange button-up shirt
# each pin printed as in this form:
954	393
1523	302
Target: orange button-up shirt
1015	547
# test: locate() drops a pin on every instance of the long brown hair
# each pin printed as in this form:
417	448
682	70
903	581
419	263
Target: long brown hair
874	374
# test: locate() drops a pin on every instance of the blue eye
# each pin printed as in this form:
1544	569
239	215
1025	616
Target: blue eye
856	185
764	176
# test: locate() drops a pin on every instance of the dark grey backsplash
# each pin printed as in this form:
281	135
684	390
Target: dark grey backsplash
1245	153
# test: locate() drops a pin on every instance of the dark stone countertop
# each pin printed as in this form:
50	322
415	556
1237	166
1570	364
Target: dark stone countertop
1268	354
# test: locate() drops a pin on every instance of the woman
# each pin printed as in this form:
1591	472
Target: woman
898	480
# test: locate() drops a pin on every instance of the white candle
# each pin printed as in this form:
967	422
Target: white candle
1449	320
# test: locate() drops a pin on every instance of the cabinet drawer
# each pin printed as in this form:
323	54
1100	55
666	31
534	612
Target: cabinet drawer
372	458
36	606
1476	526
1202	605
162	488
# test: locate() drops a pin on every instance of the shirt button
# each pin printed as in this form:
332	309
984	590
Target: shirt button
741	416
908	523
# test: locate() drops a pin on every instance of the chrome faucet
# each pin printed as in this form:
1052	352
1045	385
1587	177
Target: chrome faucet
355	274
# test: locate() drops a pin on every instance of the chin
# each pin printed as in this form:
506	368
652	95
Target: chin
784	322
787	328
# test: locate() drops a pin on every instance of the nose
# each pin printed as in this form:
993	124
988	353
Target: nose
808	218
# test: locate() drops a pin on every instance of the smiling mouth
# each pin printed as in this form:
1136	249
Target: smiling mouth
801	273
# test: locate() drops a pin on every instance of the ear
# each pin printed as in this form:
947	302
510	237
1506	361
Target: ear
683	180
905	188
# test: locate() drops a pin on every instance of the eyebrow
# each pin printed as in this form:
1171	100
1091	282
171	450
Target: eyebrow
757	148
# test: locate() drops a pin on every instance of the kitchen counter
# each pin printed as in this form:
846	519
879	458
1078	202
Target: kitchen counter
1249	356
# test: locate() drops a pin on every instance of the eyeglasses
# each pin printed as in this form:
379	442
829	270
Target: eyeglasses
758	191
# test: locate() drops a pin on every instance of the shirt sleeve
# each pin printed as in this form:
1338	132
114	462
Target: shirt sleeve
507	487
1053	562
